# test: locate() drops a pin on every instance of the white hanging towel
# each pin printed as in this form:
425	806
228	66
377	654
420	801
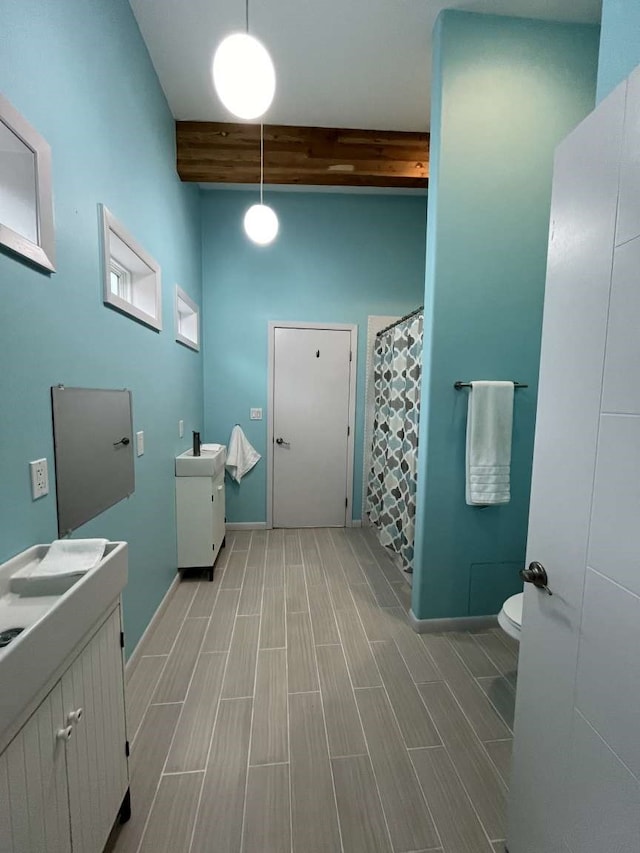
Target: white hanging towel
241	455
489	430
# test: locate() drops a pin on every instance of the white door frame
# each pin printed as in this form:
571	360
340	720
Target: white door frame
340	327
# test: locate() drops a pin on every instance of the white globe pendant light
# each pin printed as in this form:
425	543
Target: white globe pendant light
243	74
260	221
261	224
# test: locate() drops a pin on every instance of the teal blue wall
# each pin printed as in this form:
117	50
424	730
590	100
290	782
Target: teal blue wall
505	92
619	43
337	259
78	70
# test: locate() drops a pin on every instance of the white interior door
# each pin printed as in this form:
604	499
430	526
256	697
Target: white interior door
311	406
575	785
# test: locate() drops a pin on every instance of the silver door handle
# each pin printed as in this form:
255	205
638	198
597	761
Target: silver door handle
282	442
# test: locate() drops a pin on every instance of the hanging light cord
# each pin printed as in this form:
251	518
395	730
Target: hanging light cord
261	159
246	12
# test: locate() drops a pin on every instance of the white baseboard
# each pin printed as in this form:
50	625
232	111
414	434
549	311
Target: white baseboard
458	623
138	652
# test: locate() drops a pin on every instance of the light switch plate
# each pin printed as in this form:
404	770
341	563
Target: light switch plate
140	442
256	414
181	428
39	478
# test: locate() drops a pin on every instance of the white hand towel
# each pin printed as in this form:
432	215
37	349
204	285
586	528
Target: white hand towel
241	455
71	557
489	430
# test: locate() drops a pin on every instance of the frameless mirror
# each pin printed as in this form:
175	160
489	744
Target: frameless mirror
26	211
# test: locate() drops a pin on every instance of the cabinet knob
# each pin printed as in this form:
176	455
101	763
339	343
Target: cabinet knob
74	716
64	734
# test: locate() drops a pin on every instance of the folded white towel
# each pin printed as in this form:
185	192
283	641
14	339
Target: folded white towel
489	430
71	557
211	448
241	455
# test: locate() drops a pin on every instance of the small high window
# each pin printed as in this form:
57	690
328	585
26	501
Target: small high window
120	281
131	276
187	320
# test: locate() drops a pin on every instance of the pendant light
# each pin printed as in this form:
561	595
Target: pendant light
260	221
243	74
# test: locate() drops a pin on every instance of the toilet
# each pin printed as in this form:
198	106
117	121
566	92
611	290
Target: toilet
510	617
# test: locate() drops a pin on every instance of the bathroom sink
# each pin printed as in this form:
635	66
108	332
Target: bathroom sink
210	463
52	625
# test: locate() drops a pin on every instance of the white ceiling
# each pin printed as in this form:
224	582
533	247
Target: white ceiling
339	63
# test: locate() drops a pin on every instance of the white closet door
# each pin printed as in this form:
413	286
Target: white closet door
33	785
96	751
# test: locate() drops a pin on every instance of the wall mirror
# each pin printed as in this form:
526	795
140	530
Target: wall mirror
26	209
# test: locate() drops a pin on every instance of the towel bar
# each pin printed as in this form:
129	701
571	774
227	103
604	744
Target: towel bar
458	385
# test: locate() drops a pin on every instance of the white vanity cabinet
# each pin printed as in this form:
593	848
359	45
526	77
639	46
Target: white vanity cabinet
200	510
64	774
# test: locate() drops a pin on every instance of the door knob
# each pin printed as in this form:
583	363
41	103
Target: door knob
537	575
281	441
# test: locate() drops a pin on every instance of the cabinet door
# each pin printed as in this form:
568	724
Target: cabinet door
96	759
218	513
33	785
194	508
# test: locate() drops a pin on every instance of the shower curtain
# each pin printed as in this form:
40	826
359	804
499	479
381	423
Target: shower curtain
391	493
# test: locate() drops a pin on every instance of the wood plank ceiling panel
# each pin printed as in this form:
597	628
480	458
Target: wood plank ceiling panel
219	152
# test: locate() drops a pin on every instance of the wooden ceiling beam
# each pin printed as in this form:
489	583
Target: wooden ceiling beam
219	152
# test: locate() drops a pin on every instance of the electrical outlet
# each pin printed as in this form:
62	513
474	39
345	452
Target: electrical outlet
39	478
140	442
181	429
256	415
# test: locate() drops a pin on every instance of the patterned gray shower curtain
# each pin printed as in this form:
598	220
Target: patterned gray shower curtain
391	491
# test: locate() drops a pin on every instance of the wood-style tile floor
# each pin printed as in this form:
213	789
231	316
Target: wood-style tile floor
288	707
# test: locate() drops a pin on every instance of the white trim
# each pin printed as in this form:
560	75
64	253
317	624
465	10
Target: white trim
42	253
356	522
352	328
458	623
110	225
138	652
352	424
246	525
270	385
181	296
